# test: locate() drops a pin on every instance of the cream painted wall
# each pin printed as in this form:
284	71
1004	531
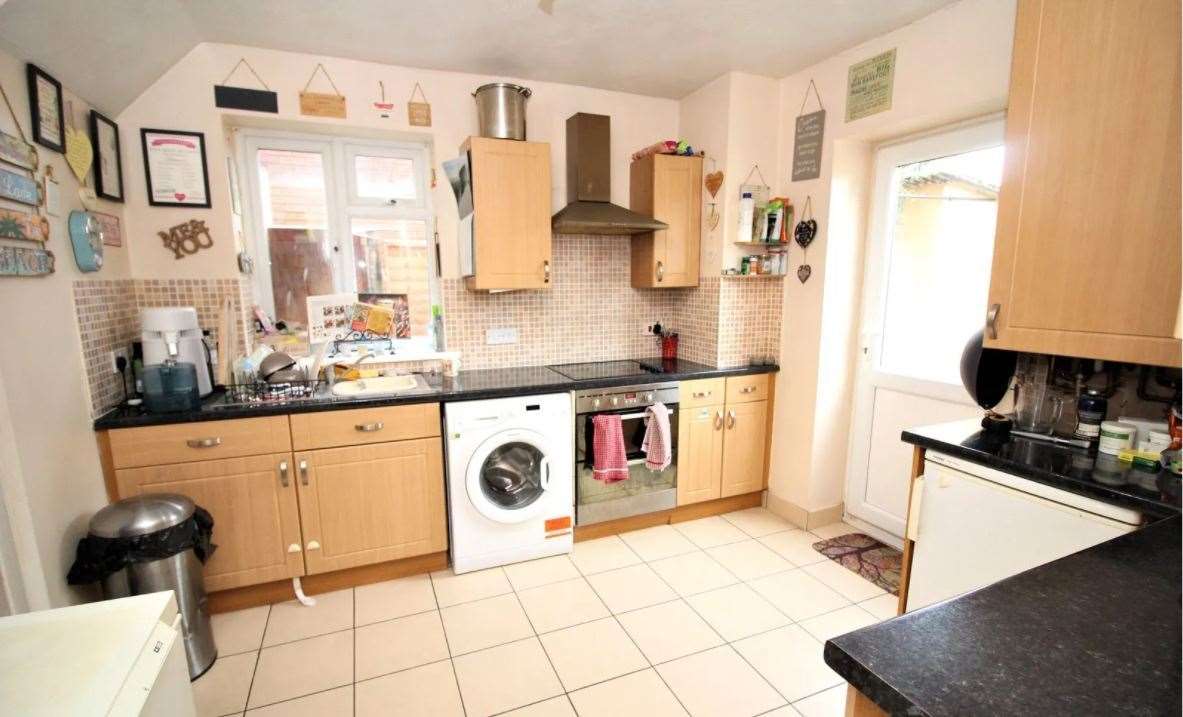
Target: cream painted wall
951	65
703	122
52	482
183	99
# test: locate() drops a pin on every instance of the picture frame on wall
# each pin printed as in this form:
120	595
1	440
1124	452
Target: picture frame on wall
108	160
46	108
175	169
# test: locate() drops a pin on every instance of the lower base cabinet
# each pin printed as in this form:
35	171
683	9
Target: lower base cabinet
700	453
746	427
722	446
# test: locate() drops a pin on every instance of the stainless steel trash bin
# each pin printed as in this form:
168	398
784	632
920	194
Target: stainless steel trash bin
180	572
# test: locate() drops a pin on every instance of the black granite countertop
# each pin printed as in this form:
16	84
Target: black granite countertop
1077	470
1094	633
467	385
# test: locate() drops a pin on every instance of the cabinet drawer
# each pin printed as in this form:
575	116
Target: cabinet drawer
359	426
199	441
743	389
703	392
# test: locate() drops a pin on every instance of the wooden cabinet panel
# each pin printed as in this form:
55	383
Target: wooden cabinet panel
331	429
199	441
700	453
701	392
369	504
744	445
745	389
511	213
256	519
1087	251
669	188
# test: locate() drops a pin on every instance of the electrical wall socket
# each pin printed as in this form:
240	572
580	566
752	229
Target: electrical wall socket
646	329
116	354
495	337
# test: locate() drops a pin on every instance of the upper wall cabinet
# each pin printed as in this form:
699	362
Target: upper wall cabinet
669	188
511	214
1087	254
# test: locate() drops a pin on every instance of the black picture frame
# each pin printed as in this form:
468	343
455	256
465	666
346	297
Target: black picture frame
34	74
144	132
101	187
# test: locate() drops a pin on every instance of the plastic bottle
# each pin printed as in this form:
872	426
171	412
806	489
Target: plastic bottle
437	327
747	213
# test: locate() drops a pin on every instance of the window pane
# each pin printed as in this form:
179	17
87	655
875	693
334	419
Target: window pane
384	177
941	247
295	211
393	268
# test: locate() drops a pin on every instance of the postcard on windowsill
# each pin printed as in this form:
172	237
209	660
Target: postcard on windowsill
329	316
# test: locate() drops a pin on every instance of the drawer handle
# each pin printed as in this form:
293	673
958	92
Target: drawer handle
748	389
370	427
283	474
313	545
700	394
204	442
718	420
303	472
731	419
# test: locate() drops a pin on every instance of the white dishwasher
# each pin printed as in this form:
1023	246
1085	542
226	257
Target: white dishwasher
974	526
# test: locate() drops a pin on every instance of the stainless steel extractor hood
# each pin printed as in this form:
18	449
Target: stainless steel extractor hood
589	208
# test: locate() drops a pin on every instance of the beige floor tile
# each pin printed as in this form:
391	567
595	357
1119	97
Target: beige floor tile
452	589
693	573
838	622
660	541
848	583
737	612
883	607
502	678
786	711
554	707
641	693
485	623
791	660
559	605
543	571
798	594
719	682
749	560
239	631
592	652
830	703
597	556
833	530
291	621
757	522
630	588
300	668
395	645
427	691
223	689
337	702
796	546
668	631
711	531
393	598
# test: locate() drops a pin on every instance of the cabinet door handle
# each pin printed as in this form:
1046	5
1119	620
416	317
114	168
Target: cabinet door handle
303	472
748	389
370	427
731	419
660	270
718	420
992	320
204	442
283	474
546	271
294	548
312	545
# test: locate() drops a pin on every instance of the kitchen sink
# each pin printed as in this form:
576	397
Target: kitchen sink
377	386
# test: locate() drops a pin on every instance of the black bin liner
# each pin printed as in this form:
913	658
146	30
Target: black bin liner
96	557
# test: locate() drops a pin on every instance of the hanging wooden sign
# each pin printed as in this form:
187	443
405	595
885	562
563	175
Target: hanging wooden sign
245	98
869	86
19	188
320	104
19	225
20	261
418	113
381	105
17	151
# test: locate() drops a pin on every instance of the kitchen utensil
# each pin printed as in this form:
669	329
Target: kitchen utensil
170	387
1039	406
501	110
286	375
986	375
274	363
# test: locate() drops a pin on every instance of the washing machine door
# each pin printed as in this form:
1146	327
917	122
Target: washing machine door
507	476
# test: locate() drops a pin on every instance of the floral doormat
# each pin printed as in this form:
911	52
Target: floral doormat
866	556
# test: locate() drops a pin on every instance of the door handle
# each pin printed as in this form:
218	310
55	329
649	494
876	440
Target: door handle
546	271
294	548
660	271
700	394
731	419
748	389
303	472
204	442
283	474
544	469
992	320
312	545
370	427
718	420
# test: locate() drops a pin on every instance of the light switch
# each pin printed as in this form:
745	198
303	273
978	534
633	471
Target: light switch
494	337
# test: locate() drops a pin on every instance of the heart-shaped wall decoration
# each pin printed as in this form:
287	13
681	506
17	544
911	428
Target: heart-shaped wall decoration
805	232
714	180
803	272
79	153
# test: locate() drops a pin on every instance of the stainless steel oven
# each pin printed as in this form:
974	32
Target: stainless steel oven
644	491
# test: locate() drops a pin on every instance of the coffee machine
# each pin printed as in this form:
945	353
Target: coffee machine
173	333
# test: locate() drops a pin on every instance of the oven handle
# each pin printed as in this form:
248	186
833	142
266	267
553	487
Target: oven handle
641	414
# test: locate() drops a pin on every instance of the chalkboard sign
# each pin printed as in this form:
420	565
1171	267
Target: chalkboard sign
807	146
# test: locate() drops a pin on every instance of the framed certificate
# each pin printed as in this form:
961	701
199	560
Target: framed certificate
45	105
175	168
108	165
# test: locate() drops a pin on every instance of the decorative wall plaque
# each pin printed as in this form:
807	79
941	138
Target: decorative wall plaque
188	238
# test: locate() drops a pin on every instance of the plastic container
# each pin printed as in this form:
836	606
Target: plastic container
171	387
669	346
1116	437
1155	441
747	214
1091	408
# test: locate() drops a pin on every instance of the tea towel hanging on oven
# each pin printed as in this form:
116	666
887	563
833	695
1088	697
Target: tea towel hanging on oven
657	444
611	458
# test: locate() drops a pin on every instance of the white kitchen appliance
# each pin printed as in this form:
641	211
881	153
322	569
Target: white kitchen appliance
120	657
173	333
974	526
511	487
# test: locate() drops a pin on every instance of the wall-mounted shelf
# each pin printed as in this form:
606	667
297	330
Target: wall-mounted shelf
761	244
753	277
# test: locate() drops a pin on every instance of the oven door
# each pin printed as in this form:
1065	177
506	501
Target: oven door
644	491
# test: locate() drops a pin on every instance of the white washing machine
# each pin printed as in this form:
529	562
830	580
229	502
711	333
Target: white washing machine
511	480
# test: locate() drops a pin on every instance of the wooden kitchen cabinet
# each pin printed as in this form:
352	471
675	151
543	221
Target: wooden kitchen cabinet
667	187
511	214
1087	250
253	501
744	442
722	446
371	503
700	453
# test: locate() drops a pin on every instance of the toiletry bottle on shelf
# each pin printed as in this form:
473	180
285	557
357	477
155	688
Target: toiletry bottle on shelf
437	327
747	212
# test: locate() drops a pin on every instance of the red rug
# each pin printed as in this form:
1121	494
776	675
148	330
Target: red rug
866	556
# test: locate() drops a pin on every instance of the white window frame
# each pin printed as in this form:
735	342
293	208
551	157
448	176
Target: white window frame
342	205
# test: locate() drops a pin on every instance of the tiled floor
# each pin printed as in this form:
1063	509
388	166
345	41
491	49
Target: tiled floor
720	616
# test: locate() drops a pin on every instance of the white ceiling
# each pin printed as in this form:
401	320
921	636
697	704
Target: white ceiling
110	51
